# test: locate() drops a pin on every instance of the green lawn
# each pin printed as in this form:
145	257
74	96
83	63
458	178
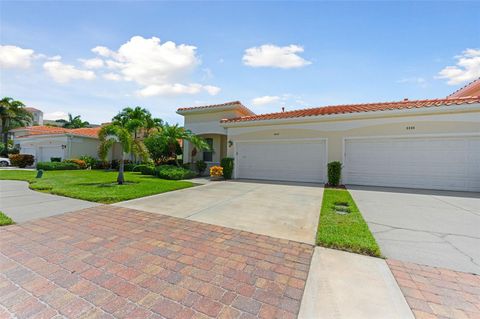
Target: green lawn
344	232
5	220
95	185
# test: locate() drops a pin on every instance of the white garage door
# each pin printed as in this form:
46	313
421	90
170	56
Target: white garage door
448	163
299	161
47	152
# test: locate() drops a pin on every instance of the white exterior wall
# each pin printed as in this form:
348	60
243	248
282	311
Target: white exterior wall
336	130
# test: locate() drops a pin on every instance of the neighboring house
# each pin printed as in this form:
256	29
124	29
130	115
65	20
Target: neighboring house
37	115
431	144
45	142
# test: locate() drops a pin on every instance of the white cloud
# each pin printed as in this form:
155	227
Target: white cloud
94	63
212	90
160	68
103	51
420	81
58	115
63	73
269	55
264	100
112	77
177	89
466	69
15	57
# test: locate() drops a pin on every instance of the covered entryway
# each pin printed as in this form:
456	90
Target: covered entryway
298	161
445	163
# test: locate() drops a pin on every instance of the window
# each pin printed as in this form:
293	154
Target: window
208	155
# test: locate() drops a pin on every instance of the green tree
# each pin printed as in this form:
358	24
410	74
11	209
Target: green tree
138	121
75	122
13	114
172	134
115	133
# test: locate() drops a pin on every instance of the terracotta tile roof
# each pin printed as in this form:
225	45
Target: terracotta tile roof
471	89
210	106
356	108
49	130
213	106
32	109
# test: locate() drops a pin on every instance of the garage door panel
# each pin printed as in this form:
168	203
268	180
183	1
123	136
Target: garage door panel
47	152
284	161
437	163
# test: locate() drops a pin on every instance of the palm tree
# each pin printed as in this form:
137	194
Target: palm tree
174	133
75	122
12	115
115	133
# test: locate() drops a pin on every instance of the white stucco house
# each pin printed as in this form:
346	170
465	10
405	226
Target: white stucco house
430	144
46	142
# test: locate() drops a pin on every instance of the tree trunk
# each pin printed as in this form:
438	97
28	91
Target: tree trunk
120	178
5	143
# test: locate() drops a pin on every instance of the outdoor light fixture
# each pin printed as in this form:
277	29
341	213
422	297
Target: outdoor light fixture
230	143
64	147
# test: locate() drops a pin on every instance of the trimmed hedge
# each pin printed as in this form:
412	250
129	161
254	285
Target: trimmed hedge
227	164
55	166
22	160
334	173
173	172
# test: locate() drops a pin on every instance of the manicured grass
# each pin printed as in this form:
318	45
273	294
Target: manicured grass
5	220
344	232
95	185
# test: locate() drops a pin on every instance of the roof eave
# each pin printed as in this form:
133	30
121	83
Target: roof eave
358	115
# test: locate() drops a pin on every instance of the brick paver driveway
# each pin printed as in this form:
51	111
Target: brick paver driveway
109	261
438	293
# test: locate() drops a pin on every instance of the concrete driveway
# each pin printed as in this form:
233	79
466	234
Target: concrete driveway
281	210
22	204
435	228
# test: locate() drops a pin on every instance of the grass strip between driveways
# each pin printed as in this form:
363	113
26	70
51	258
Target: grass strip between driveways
347	232
5	220
95	185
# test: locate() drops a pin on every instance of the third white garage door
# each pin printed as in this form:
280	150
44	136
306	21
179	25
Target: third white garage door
299	161
446	163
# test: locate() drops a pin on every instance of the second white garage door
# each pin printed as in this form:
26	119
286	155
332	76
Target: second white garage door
299	161
447	163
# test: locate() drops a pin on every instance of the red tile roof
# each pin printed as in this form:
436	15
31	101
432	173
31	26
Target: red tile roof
356	108
32	109
471	89
213	106
51	130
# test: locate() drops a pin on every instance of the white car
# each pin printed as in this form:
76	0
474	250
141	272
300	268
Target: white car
4	162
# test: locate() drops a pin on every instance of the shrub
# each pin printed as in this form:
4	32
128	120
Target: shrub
173	172
129	167
22	160
89	160
101	165
334	173
56	166
227	164
55	159
201	166
216	171
145	169
81	163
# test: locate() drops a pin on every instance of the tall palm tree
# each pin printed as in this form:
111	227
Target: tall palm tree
115	133
75	122
13	114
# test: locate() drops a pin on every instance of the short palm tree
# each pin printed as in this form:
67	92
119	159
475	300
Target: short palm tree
114	133
75	122
13	114
174	133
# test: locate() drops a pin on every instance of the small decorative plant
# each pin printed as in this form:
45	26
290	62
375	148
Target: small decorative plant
216	172
201	167
334	173
227	164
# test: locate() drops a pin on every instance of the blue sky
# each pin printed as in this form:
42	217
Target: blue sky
266	54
